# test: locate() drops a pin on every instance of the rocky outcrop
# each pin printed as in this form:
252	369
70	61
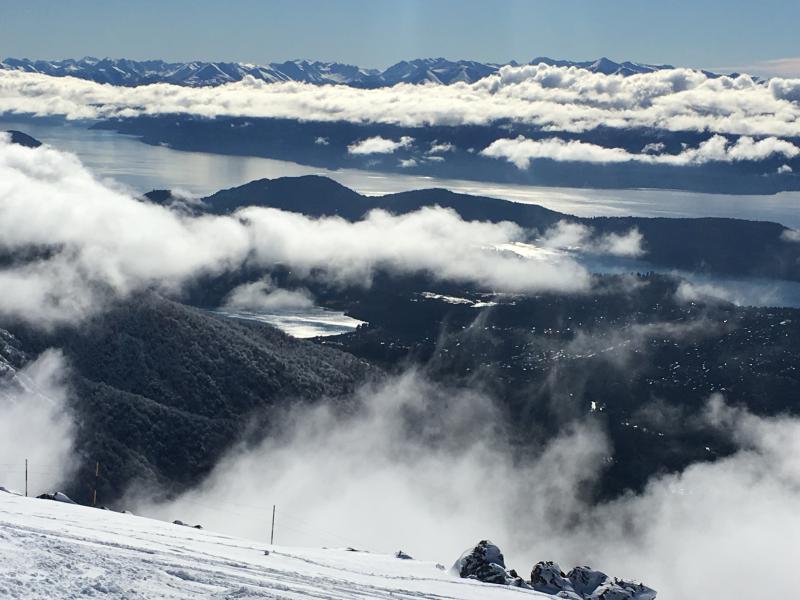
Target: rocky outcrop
548	577
596	585
485	563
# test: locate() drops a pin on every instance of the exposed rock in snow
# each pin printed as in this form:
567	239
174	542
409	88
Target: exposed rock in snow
596	585
485	563
403	555
548	577
179	522
58	497
586	580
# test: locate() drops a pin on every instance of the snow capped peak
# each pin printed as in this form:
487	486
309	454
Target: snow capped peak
121	71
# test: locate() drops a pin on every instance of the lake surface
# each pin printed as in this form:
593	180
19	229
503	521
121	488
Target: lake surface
307	322
142	167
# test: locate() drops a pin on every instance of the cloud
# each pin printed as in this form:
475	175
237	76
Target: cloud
440	147
417	466
741	292
521	151
36	425
549	97
322	141
263	296
407	163
653	148
91	244
379	145
431	470
566	235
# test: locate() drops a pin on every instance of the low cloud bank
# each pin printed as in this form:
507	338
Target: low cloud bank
262	295
521	151
550	97
430	470
36	425
578	237
87	243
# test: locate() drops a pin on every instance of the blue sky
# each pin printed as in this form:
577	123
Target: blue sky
712	34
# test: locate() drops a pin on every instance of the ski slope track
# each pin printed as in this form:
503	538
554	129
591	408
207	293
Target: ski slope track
55	550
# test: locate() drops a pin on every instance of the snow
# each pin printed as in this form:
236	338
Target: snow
56	550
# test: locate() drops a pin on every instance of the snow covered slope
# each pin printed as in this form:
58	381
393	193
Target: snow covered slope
54	550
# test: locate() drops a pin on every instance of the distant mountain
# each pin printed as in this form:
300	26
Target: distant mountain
716	245
200	73
23	139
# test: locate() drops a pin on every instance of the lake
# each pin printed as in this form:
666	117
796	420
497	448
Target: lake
142	167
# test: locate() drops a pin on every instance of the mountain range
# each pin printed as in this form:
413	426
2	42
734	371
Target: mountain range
127	72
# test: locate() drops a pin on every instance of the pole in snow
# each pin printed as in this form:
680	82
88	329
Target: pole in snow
26	477
272	533
96	477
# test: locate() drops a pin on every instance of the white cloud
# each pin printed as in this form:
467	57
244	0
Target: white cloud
653	148
440	147
407	163
379	145
432	481
322	141
104	244
521	151
35	425
784	169
262	295
553	98
566	235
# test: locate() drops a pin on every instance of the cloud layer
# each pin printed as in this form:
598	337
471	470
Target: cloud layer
521	151
35	425
431	470
88	243
553	98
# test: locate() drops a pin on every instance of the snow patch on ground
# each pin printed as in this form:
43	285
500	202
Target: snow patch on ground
55	550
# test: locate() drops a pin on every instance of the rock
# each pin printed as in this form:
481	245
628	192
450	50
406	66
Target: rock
596	585
179	522
58	497
485	563
548	577
586	580
403	555
622	590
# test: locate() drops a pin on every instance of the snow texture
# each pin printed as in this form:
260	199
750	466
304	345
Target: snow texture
57	550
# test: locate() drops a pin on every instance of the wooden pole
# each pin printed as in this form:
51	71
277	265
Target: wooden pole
272	533
96	477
